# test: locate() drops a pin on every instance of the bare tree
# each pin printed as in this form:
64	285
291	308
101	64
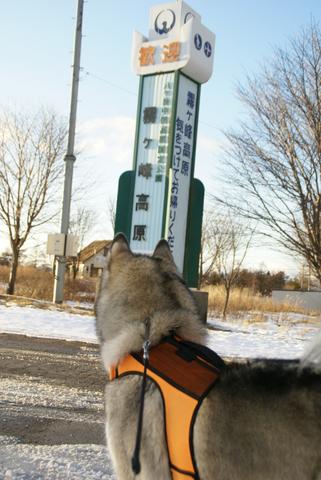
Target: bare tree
30	147
274	159
230	240
80	225
233	241
211	244
111	211
224	245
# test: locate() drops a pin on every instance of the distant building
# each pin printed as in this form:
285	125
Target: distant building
92	258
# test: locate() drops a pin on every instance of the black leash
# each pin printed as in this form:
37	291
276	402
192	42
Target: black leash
135	458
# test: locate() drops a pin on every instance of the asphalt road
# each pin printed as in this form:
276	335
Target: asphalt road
51	391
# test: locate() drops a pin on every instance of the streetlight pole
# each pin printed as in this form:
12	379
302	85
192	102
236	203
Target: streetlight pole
69	159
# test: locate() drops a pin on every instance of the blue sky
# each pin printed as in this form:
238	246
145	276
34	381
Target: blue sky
36	43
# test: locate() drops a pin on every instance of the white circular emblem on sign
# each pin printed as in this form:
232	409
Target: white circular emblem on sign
164	22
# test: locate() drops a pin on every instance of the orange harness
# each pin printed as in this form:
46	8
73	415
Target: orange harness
184	373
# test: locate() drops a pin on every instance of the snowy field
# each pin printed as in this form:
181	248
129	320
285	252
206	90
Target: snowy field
274	336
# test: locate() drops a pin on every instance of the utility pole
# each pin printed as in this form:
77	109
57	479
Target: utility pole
69	159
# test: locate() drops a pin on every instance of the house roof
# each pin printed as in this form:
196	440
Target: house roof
92	249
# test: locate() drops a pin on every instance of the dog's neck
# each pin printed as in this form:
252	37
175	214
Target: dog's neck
131	339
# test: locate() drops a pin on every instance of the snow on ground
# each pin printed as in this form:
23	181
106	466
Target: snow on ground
60	462
276	337
82	305
273	336
36	322
41	398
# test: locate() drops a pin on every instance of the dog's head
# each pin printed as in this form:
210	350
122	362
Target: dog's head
135	287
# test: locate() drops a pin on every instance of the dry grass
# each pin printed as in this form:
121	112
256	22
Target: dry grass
36	283
245	299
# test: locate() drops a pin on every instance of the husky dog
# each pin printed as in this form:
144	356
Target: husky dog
262	421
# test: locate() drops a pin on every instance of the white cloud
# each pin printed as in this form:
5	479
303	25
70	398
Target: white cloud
209	150
108	137
209	146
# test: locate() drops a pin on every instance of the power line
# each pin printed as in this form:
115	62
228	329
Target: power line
110	83
101	79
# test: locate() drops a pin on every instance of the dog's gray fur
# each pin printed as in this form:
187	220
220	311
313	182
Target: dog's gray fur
261	422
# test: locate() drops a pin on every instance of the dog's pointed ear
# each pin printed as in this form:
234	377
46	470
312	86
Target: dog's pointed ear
163	252
119	245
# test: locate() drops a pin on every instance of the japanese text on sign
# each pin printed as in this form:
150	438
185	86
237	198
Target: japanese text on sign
181	168
170	53
152	162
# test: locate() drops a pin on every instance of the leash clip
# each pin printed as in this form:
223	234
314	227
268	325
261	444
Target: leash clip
146	344
146	347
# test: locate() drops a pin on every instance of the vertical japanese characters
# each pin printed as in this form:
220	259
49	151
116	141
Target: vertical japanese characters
182	162
152	161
